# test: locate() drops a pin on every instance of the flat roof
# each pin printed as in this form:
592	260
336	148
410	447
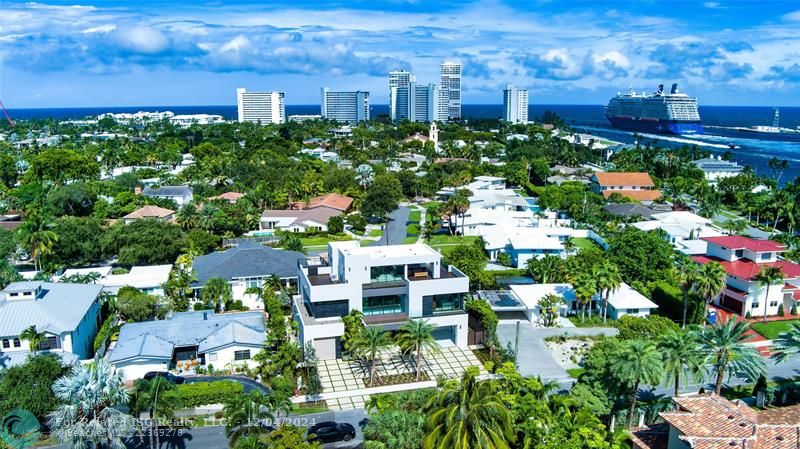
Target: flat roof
531	294
389	251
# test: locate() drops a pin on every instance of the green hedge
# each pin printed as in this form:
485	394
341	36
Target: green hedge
670	303
104	333
482	310
205	393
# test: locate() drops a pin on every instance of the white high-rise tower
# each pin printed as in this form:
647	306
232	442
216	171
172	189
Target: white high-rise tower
515	104
260	107
450	91
398	79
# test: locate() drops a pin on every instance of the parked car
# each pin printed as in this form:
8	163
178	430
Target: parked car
164	375
331	432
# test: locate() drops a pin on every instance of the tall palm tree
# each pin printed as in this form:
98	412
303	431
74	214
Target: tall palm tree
681	357
216	293
638	362
33	337
37	236
244	415
723	346
187	216
416	338
709	282
468	414
767	277
368	345
89	415
585	289
608	279
150	396
787	345
684	273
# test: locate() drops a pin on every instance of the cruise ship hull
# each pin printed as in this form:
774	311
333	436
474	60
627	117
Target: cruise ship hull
656	126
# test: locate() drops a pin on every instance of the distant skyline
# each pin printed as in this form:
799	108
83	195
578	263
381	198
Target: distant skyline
117	53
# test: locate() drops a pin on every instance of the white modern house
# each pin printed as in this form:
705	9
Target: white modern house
743	259
389	284
683	229
180	194
187	339
525	298
715	169
68	314
149	279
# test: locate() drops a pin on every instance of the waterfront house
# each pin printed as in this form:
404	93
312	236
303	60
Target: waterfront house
389	284
68	315
743	258
636	186
715	169
188	339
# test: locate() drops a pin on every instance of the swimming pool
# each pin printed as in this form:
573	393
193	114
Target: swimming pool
532	204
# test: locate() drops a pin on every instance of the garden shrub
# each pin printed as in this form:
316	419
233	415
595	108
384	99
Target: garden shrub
205	393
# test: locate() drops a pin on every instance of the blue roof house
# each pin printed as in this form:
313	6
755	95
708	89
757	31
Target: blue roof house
68	315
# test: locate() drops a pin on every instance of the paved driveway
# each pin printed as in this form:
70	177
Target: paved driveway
535	359
397	228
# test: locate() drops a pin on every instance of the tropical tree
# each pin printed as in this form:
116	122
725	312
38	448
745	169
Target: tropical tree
787	345
709	282
638	362
724	348
767	277
89	415
416	338
149	396
468	414
33	337
216	293
585	289
684	274
37	236
734	226
682	359
368	345
394	429
292	242
187	216
547	269
608	279
549	306
244	415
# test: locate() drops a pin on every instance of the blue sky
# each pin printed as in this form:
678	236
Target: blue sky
120	53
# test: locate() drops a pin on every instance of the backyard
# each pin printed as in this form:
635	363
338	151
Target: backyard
584	243
772	329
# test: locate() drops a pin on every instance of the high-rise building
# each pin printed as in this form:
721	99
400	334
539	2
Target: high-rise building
347	107
260	107
450	91
415	103
515	104
398	79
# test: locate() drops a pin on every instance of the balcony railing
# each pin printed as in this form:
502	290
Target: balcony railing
385	319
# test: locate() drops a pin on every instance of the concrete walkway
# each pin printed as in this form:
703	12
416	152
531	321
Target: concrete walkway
535	358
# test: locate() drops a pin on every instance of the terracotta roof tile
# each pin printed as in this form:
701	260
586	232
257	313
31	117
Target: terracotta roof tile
332	200
228	196
624	179
638	195
651	437
746	269
742	242
149	212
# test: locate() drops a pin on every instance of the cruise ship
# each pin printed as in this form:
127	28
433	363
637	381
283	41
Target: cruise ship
662	113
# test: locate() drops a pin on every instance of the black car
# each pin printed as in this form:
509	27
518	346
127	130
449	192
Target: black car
164	375
331	431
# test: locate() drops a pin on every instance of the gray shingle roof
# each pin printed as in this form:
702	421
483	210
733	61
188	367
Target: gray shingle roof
58	308
633	209
14	358
167	191
207	330
246	260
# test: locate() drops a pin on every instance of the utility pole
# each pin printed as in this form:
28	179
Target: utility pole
516	348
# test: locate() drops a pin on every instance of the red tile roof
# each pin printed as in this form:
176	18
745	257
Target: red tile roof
638	195
742	242
747	269
641	179
331	200
651	437
229	196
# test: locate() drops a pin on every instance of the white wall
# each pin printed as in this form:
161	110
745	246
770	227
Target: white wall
136	369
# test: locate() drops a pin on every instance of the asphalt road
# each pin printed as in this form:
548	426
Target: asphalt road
213	437
396	232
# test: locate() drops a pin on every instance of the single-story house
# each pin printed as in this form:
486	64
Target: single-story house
148	279
636	186
158	213
68	315
247	265
304	217
200	338
180	194
231	197
683	229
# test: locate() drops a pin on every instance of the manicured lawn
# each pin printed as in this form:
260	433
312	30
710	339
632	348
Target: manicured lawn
307	409
575	372
447	239
410	239
375	233
414	215
322	240
431	204
584	243
413	229
772	329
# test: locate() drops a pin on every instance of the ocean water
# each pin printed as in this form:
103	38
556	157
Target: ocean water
754	149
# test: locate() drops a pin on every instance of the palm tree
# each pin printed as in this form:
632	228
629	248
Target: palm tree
684	273
89	414
468	414
585	289
787	345
548	308
369	344
734	226
243	415
416	338
638	362
723	346
187	216
547	269
766	277
709	282
292	242
681	357
34	338
149	396
394	429
608	279
569	245
37	236
216	293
